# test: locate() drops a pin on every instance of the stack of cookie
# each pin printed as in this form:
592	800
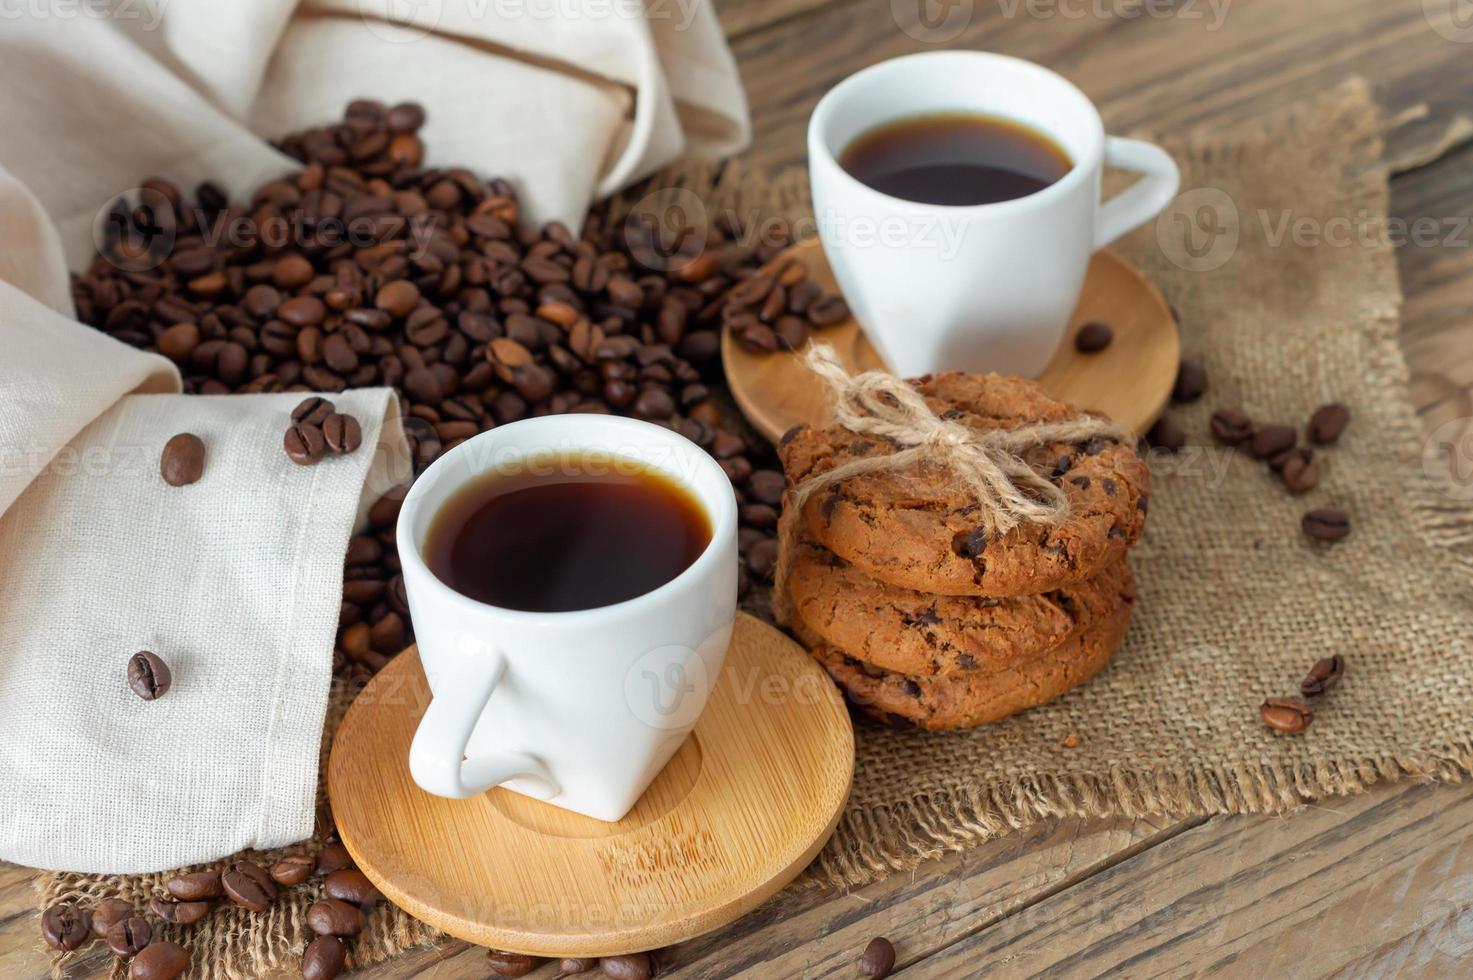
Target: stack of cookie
924	617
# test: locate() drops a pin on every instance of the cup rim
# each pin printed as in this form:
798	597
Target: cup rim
722	513
821	156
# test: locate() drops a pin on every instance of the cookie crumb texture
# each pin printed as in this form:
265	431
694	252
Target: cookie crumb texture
941	703
919	528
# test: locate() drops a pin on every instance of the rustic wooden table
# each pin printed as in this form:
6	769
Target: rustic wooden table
1372	886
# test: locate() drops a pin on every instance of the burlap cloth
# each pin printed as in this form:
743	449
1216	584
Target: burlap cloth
1235	603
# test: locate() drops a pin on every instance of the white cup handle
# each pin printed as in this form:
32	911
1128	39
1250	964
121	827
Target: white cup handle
437	759
1143	200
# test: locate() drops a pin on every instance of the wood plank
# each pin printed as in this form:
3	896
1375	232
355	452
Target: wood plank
1385	877
1190	68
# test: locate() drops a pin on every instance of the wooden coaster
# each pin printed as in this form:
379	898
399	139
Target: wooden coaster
1130	380
740	810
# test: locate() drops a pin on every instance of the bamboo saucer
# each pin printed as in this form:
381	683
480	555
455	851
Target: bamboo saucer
741	809
1130	380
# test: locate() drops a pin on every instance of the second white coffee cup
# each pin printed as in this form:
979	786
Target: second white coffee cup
987	287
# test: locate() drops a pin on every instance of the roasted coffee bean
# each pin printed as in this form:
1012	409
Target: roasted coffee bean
351	886
1272	439
878	958
1093	337
64	926
183	460
248	885
324	958
332	917
179	341
1328	422
333	857
293	869
1288	715
762	557
511	964
127	938
1325	674
178	913
767	486
160	960
571	966
1191	382
1167	434
1300	473
108	914
630	966
304	444
148	675
1326	524
341	434
302	311
828	311
1231	427
195	887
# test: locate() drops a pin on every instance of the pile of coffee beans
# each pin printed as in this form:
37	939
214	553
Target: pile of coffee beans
366	268
628	966
317	429
1292	715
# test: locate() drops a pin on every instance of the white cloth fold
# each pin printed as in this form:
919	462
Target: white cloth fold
236	580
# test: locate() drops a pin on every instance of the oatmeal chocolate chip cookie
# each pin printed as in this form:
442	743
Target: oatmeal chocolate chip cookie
965	700
915	633
919	528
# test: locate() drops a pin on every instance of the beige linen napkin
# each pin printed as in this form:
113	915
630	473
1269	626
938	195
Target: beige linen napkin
569	98
235	581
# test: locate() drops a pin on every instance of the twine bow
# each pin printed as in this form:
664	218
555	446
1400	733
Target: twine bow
1008	491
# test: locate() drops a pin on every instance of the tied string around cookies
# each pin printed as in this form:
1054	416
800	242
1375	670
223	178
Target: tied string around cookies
1008	491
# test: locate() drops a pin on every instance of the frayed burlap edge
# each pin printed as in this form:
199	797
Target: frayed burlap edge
879	839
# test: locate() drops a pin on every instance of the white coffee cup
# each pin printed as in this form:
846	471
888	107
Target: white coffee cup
988	287
581	709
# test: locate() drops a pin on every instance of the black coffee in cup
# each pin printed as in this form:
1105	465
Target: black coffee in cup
559	533
955	158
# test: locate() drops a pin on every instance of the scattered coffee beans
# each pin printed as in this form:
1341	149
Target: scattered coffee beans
148	675
1231	427
1191	382
179	913
1326	524
129	937
293	869
1272	439
1167	434
511	964
1093	337
1325	674
1287	715
332	917
324	958
1300	472
183	460
64	926
878	959
248	885
108	914
630	966
195	887
1328	422
161	960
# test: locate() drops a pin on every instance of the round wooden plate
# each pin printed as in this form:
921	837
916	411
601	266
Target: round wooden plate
740	810
1130	380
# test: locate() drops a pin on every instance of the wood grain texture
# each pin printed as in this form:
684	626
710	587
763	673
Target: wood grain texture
776	392
742	808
